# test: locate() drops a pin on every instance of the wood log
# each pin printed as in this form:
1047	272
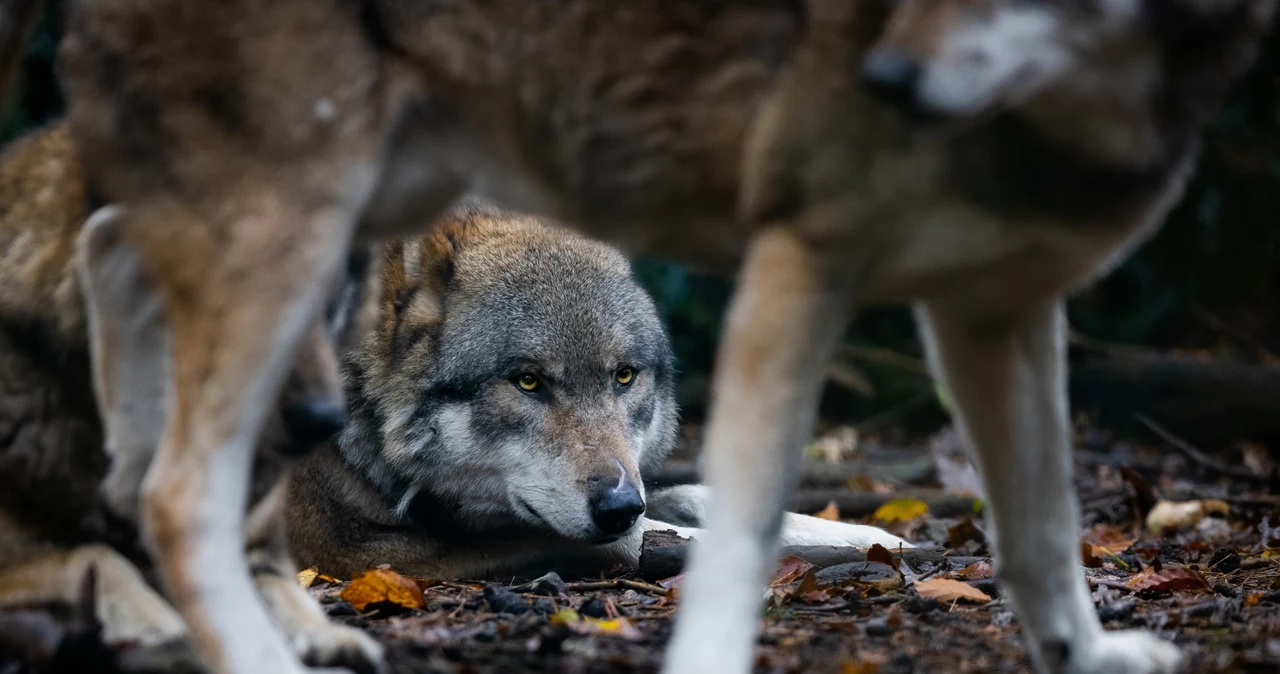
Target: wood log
663	555
897	466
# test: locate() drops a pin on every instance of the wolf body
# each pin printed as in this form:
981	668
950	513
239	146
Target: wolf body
247	144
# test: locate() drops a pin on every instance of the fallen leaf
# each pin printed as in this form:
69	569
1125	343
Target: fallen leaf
383	585
860	667
1110	539
790	569
587	626
831	512
878	553
308	576
948	590
962	533
901	510
1168	515
1168	580
1092	555
979	570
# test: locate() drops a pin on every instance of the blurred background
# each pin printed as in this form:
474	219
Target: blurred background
1184	332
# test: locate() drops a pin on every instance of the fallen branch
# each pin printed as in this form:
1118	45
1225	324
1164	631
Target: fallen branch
619	584
1199	457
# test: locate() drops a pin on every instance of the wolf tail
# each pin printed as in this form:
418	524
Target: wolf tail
18	19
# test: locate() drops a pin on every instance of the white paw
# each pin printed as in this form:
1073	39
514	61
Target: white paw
1130	652
806	530
338	646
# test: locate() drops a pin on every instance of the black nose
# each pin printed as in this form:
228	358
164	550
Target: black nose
616	504
891	74
312	421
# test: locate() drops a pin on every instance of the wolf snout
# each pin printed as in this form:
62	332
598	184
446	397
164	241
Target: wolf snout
892	74
313	420
616	504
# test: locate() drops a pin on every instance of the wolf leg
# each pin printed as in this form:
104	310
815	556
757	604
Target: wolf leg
228	360
789	309
1007	378
317	641
126	328
130	611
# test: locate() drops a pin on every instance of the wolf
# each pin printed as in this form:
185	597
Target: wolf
245	145
519	383
54	523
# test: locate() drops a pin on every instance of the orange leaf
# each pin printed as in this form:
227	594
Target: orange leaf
946	589
1110	539
979	570
1168	580
383	585
851	667
831	512
878	553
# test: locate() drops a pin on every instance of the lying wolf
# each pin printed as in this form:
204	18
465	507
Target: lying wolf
519	383
248	143
54	525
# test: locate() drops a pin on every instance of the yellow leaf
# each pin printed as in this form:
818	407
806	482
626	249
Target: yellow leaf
948	590
831	512
901	510
307	577
383	585
564	616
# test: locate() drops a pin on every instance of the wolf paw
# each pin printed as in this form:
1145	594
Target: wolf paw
1130	652
341	647
805	530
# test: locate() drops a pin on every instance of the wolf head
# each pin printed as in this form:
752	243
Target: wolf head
962	58
519	376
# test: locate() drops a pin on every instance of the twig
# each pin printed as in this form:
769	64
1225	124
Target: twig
619	584
1115	585
1204	460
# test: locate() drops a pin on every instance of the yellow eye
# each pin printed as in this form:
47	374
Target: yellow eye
625	375
528	383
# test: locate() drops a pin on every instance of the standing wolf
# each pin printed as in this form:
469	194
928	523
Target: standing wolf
247	143
518	384
54	522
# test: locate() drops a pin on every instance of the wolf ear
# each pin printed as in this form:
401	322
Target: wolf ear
415	278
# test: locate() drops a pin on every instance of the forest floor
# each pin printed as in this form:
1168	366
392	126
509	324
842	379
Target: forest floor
1171	542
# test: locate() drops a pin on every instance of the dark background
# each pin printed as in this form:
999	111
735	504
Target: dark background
1207	286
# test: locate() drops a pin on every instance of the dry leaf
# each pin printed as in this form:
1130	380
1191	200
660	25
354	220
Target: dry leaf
790	569
901	510
962	533
1168	580
948	590
860	667
1109	539
1168	515
979	570
586	626
831	512
878	553
308	576
383	585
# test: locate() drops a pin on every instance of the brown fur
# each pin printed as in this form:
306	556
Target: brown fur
248	143
53	523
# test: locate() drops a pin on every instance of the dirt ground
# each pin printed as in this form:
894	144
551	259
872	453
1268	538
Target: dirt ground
1210	580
